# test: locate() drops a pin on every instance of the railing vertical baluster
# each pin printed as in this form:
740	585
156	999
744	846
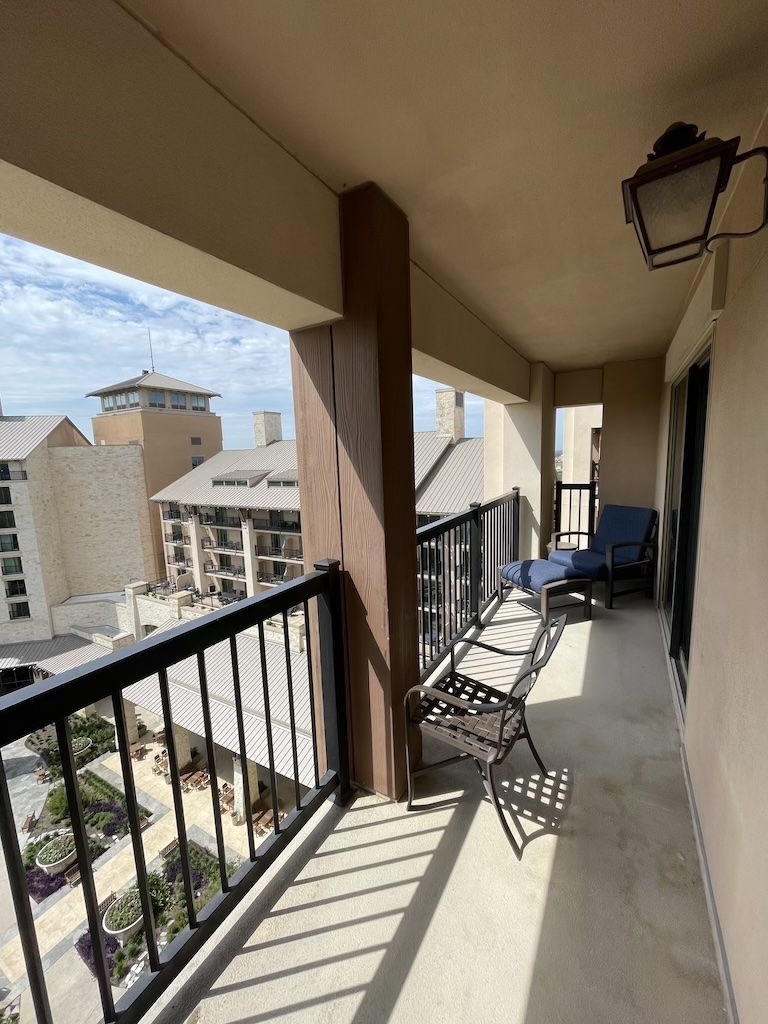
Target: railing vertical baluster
268	723
291	710
443	591
312	713
474	560
247	798
72	787
17	881
134	821
178	804
558	505
430	560
516	527
330	617
214	784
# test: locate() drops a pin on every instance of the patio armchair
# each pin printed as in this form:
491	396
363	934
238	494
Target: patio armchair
623	547
479	721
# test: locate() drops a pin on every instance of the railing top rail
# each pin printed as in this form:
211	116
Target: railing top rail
37	705
432	530
575	487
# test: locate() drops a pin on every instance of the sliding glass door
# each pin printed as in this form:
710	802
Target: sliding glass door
684	482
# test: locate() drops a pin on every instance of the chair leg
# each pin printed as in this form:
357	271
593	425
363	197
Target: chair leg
409	776
490	788
534	751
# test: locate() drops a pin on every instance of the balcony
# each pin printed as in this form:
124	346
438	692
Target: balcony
209	544
180	562
227	522
224	570
282	554
271	579
12	474
177	538
175	516
276	526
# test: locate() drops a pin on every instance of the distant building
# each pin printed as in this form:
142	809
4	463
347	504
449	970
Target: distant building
232	527
73	521
171	421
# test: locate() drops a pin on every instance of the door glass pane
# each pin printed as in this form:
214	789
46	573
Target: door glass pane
672	524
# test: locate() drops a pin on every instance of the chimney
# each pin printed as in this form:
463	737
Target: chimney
450	413
267	427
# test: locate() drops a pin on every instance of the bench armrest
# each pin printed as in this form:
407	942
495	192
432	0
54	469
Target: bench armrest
569	533
457	702
645	545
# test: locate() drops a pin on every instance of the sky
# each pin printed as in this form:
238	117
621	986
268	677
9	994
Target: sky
67	327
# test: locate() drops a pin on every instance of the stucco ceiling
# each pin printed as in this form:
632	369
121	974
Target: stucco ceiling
502	128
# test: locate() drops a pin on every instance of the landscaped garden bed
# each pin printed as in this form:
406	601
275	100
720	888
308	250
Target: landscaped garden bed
104	807
91	737
40	883
166	887
57	855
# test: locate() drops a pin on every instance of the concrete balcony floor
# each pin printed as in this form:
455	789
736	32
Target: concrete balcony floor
428	917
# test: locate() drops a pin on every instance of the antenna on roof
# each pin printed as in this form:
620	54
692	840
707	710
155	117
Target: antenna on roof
151	357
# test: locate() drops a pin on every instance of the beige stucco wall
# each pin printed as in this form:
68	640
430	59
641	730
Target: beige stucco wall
578	424
165	436
725	729
579	387
519	451
103	516
632	394
90	613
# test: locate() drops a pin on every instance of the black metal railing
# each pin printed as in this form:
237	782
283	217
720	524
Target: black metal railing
458	565
227	522
50	703
276	525
177	538
223	570
576	507
269	551
12	474
181	562
174	516
209	544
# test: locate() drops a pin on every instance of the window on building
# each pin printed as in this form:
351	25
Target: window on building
197	460
15	588
12	566
196	441
9	542
133	399
5	495
198	403
108	403
218	483
282	483
7	520
178	400
19	610
157	399
121	401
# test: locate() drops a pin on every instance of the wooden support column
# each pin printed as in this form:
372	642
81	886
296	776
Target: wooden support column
354	428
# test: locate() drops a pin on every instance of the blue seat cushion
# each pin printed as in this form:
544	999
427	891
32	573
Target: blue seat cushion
532	573
619	523
581	563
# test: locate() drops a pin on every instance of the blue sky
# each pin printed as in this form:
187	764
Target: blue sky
67	328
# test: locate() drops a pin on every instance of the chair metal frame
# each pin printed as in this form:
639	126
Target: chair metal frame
485	723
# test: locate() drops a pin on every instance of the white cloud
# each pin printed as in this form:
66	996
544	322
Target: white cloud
67	328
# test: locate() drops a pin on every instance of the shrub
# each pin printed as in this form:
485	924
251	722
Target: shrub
124	911
84	947
40	885
57	849
58	805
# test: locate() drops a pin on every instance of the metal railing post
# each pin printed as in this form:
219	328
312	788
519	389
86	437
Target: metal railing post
333	681
592	506
516	526
475	559
558	506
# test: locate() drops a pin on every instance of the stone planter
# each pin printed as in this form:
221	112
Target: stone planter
86	746
125	934
58	866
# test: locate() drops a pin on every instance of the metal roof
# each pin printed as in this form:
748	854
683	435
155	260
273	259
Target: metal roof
20	435
154	380
186	708
456	481
57	655
196	487
428	446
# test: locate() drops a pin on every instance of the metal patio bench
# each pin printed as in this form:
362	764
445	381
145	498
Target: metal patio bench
478	720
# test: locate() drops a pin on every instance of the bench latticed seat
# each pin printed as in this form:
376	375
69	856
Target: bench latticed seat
479	721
